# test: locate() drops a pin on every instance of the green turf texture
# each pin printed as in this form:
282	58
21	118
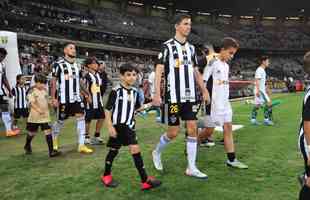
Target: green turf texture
271	153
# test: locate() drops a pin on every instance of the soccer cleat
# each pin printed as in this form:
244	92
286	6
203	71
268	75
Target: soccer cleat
28	149
207	143
84	149
255	122
55	143
96	141
195	173
54	153
16	130
236	164
150	183
87	140
11	133
157	161
108	181
268	122
158	119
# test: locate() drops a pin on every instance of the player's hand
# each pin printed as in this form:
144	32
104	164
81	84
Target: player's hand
88	99
55	103
307	181
156	100
206	97
112	132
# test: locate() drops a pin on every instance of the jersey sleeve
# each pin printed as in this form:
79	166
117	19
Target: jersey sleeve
163	56
208	72
306	110
138	104
55	70
111	100
258	74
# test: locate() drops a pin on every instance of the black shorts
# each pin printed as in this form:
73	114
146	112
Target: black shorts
33	127
94	114
125	136
21	112
172	112
4	104
71	109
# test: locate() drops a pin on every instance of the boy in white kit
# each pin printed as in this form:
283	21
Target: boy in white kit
216	75
260	92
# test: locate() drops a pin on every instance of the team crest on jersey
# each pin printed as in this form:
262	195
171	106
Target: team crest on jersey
177	63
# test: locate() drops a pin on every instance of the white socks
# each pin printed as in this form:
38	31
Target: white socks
191	147
57	126
163	142
6	118
81	129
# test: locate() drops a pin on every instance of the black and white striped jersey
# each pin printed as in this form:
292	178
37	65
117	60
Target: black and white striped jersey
179	62
93	83
68	77
122	103
20	97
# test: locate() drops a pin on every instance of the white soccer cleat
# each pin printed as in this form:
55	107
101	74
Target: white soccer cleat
195	173
236	164
157	161
87	141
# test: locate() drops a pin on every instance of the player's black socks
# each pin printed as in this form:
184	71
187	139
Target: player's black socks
28	140
304	193
231	156
97	134
140	166
254	112
49	141
109	160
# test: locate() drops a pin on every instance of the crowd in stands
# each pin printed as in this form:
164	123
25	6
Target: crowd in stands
75	21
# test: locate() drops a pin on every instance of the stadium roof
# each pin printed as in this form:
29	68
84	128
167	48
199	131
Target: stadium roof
239	7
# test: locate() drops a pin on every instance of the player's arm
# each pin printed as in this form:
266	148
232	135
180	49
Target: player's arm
6	84
83	89
108	113
140	107
55	75
256	82
158	74
204	91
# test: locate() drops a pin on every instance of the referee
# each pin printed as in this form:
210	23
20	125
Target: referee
178	62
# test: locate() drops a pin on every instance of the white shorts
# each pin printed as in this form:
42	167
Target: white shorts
262	99
212	121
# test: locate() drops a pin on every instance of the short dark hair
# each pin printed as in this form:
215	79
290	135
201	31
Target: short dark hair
18	77
3	51
180	17
69	43
91	60
40	78
127	67
229	42
262	59
306	62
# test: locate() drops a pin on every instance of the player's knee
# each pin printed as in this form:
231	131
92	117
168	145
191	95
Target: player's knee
172	133
134	149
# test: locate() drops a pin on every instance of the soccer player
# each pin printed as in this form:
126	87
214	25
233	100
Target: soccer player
178	62
122	103
19	93
39	116
216	75
94	107
68	100
304	135
261	95
4	105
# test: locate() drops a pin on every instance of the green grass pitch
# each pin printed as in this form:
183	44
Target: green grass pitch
271	153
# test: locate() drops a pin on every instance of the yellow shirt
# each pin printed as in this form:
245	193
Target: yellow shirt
39	98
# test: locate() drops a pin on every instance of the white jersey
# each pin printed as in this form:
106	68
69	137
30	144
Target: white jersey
152	83
216	75
261	75
2	73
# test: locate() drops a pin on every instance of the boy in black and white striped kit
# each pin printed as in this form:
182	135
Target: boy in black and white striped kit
122	104
19	93
94	107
